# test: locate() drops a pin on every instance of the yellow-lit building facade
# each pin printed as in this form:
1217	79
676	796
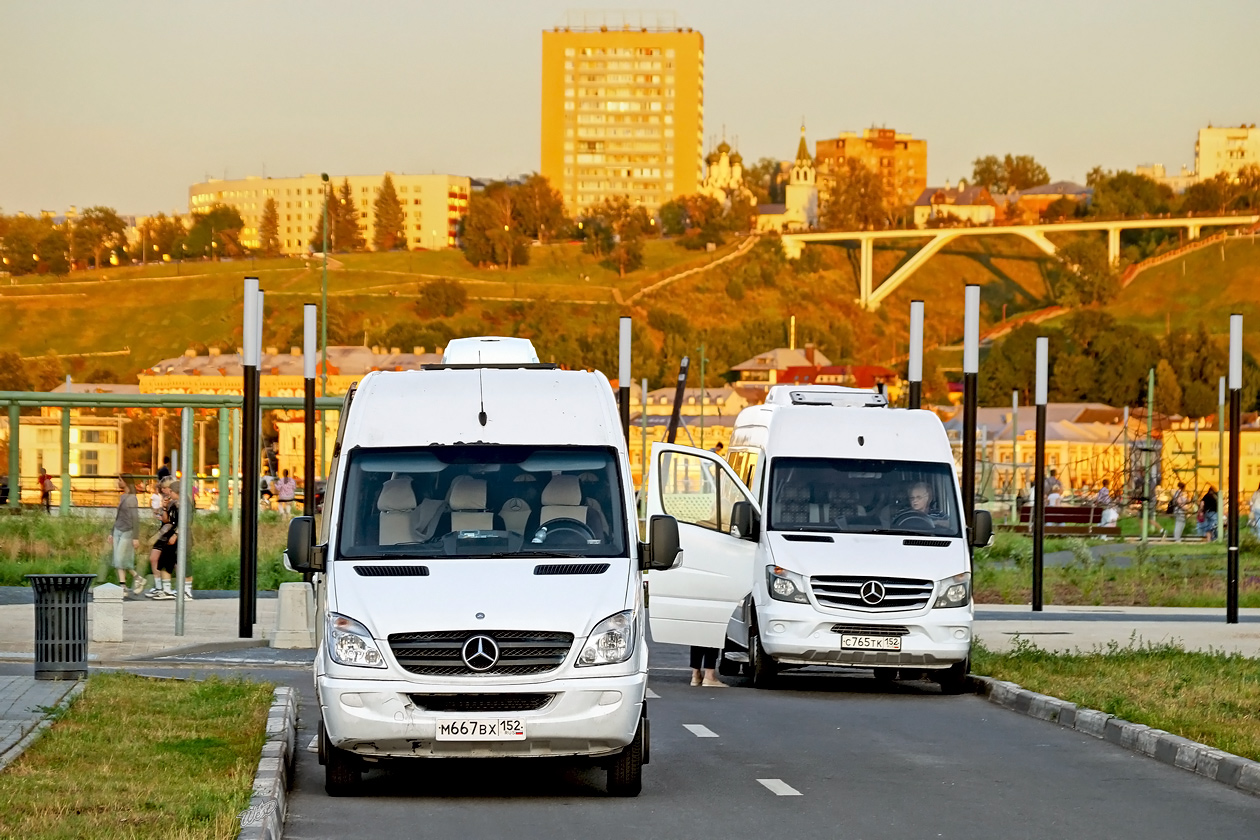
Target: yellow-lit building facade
622	113
897	157
432	206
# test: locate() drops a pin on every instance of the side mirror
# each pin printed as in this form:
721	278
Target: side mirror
745	523
300	555
664	551
982	529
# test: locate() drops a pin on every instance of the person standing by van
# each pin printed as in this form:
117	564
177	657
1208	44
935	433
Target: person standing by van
704	667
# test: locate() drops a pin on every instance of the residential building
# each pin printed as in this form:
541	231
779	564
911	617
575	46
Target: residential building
900	160
432	206
961	205
96	453
1156	172
622	112
1217	150
1028	206
799	210
848	376
756	375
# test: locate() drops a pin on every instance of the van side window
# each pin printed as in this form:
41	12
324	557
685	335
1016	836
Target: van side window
689	489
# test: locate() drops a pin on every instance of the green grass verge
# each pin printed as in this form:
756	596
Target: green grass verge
37	544
1157	575
1208	697
135	757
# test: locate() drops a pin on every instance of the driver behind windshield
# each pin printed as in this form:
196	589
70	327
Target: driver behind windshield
920	499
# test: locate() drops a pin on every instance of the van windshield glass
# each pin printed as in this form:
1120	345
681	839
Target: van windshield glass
858	496
482	501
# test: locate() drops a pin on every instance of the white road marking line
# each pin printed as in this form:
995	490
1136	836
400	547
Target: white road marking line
652	695
779	788
700	731
313	746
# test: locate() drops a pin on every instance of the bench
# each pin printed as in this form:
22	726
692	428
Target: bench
1068	521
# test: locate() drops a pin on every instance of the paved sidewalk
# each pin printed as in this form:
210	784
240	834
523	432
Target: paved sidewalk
148	629
1069	628
24	703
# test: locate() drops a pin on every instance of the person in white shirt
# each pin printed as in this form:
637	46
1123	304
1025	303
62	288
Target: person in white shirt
1255	512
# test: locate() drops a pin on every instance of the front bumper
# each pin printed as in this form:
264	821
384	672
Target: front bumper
798	634
592	716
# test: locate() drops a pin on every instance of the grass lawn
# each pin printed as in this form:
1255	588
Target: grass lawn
1208	697
36	544
136	757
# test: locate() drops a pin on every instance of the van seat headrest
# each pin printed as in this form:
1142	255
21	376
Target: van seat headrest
396	494
467	493
562	490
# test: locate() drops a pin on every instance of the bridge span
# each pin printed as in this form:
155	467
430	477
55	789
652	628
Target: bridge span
869	297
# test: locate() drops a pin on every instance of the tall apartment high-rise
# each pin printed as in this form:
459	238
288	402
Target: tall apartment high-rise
900	160
622	112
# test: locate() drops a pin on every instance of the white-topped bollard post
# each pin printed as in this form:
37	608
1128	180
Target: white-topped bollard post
107	613
295	617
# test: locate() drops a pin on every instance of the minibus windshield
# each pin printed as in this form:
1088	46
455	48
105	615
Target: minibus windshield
863	496
482	501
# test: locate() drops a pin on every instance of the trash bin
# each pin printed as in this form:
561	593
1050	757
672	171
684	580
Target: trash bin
61	625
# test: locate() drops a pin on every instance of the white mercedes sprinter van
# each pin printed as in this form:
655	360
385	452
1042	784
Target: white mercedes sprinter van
834	535
477	573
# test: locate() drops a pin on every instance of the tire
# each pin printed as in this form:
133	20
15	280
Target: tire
953	680
343	772
625	770
763	671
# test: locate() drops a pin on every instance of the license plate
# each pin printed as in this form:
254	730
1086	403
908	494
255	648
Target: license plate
871	642
481	729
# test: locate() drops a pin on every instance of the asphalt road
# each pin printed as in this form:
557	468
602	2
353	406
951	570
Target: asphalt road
868	763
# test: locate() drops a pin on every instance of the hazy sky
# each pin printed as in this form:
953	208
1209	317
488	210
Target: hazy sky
126	103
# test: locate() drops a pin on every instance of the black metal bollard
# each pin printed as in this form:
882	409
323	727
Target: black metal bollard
61	625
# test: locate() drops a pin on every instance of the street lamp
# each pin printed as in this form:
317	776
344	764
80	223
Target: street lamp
323	338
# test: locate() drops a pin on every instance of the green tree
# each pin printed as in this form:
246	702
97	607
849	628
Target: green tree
856	200
54	251
347	233
1013	172
988	172
492	229
331	209
441	298
269	230
97	230
1083	275
13	373
390	232
1125	195
1167	389
765	180
216	232
539	209
622	228
46	373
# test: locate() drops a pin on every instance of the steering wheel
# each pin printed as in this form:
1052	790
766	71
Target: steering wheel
567	531
914	519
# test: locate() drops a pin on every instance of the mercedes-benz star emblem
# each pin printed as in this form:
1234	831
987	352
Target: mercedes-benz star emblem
482	652
872	593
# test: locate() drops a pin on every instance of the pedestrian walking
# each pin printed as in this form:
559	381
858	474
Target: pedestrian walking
1255	512
163	555
1211	512
266	489
124	537
286	492
164	471
1054	489
1177	504
704	667
1104	494
46	489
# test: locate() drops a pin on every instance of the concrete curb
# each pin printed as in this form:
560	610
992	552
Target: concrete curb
1217	765
205	647
269	804
11	754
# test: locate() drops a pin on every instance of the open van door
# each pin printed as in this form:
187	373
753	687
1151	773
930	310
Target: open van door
691	605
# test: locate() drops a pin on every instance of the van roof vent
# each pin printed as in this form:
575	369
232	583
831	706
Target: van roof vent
832	395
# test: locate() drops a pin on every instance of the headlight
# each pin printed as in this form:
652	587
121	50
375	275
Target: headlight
350	643
955	591
785	585
611	641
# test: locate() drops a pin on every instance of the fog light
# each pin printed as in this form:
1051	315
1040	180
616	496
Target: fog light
610	698
960	633
778	627
351	699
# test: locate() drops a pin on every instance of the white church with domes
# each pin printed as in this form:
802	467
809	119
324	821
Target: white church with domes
724	180
799	210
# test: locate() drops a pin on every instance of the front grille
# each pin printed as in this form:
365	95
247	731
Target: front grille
481	702
871	629
846	592
437	653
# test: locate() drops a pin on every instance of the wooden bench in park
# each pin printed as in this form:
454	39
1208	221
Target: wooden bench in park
1068	521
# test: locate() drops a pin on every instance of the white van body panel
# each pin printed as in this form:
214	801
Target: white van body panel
810	633
373	712
489	350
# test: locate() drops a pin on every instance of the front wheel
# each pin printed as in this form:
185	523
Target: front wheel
625	771
953	680
343	773
762	669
